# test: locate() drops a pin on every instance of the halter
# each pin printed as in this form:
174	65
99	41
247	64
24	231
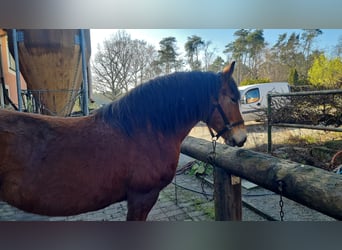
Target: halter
227	125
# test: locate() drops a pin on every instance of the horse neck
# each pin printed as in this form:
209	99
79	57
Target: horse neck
187	109
182	133
176	135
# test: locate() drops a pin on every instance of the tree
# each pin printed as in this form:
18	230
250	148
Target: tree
295	51
326	73
338	48
247	51
208	55
121	63
308	37
217	65
142	65
293	77
287	50
238	50
168	54
256	44
192	48
271	68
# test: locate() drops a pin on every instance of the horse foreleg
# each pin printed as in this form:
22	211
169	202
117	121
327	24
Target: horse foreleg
140	204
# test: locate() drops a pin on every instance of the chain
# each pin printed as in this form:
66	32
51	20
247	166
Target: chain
210	162
212	154
281	202
213	142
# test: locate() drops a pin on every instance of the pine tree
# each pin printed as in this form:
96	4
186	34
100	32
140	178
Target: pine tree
293	77
168	54
192	48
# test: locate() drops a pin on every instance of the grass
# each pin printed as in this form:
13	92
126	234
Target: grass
332	140
335	144
302	140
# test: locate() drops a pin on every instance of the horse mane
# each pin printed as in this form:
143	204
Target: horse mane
166	103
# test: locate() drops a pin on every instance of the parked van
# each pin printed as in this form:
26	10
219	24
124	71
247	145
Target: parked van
254	98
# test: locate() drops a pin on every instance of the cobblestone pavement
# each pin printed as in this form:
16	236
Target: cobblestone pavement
174	204
178	204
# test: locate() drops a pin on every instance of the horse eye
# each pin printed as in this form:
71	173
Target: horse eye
234	100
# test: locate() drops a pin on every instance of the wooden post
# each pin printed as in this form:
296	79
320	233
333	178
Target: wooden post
310	186
227	190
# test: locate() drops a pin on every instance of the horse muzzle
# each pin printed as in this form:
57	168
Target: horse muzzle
233	143
237	139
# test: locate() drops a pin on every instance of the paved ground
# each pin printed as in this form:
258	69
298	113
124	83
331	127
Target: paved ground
178	204
174	204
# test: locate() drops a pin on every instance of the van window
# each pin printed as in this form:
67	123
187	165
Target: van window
252	95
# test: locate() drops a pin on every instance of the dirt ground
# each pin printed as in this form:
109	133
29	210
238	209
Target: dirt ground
311	147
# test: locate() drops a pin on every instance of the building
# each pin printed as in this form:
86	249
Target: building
8	84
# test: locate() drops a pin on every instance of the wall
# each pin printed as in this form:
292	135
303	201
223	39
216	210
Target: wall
8	73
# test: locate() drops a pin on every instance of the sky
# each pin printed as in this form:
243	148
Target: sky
218	37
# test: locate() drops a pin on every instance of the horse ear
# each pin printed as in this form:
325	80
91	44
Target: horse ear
228	70
226	75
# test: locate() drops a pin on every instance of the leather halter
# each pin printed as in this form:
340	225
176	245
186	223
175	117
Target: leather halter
227	125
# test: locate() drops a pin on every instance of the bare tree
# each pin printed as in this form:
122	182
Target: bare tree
142	65
338	48
208	55
121	64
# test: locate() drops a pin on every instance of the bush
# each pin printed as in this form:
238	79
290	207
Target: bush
293	77
254	81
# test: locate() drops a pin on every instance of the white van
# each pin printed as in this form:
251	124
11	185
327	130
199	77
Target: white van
254	98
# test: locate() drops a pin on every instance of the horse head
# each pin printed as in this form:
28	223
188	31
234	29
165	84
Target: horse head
225	116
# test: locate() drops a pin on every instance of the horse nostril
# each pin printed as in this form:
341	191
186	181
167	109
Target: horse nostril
240	143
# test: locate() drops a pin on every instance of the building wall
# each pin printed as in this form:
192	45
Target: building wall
8	70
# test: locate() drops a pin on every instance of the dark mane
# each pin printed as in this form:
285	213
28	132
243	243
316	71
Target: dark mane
165	103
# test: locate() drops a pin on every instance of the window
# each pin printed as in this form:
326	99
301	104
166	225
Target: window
252	95
3	96
11	61
6	95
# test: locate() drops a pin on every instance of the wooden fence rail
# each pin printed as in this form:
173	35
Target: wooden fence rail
313	187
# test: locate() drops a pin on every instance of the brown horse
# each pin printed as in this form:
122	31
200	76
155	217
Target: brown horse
127	150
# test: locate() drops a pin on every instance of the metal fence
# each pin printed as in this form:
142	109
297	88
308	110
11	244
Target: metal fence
319	110
34	100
